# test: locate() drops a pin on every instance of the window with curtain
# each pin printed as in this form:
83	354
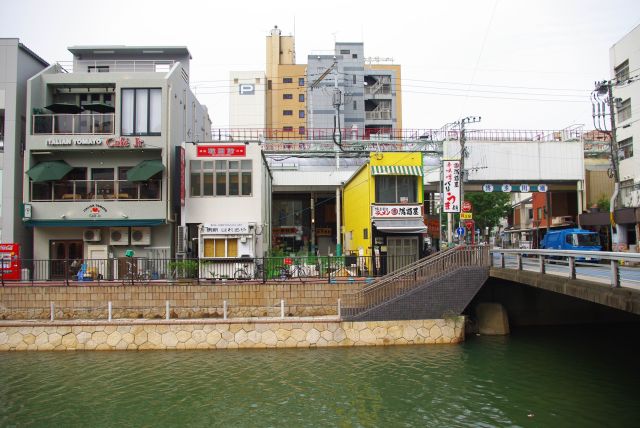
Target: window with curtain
141	111
221	247
394	189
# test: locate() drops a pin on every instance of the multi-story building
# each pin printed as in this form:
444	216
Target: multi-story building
247	102
624	58
101	171
17	64
286	107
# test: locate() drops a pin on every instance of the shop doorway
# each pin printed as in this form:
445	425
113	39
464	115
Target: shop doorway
62	254
401	251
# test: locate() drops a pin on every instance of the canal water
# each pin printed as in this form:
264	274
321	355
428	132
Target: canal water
543	377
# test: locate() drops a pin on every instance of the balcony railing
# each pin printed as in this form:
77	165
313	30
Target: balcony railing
75	190
378	115
72	124
117	66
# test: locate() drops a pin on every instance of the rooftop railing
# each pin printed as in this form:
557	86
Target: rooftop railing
117	66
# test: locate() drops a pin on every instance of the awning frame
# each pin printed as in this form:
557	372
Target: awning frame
396	170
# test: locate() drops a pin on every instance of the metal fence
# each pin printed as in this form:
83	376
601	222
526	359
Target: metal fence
137	270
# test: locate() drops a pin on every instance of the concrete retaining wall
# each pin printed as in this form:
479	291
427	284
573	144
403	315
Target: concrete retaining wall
214	334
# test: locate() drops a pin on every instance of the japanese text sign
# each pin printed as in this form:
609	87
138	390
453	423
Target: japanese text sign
451	186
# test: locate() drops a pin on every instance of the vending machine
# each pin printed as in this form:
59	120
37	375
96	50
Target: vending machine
10	262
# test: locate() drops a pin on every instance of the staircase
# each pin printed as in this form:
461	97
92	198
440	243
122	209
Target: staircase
438	286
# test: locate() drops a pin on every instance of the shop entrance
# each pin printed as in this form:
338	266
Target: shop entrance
62	254
401	251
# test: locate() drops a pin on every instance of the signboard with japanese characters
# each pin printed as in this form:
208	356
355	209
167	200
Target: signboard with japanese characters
221	150
226	229
395	211
451	186
466	216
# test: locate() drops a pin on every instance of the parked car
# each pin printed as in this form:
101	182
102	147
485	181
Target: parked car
572	239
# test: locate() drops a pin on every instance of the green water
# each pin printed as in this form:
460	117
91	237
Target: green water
551	377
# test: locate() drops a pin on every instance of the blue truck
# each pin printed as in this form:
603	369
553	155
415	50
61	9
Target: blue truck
572	239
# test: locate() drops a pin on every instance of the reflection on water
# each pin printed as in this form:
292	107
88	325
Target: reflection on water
543	377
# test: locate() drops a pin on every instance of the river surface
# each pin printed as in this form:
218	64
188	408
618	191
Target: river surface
543	377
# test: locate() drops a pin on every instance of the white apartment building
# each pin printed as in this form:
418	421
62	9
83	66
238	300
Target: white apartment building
624	58
247	101
102	165
17	64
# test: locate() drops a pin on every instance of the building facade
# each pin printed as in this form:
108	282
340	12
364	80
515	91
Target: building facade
624	59
17	65
100	155
247	102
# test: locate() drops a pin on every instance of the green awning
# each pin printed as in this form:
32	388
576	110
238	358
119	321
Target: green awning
145	170
49	170
396	170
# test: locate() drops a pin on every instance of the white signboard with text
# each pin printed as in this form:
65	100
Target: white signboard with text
395	211
451	186
226	229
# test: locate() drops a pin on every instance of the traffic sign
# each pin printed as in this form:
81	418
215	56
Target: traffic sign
460	231
466	216
469	224
488	188
466	206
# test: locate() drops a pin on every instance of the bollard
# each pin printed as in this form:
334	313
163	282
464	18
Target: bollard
51	307
282	308
224	306
615	274
109	308
339	309
572	267
166	310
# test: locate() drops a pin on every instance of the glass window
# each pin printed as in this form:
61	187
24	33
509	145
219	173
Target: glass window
287	96
625	149
301	98
234	184
221	183
394	189
195	177
287	128
232	248
622	71
624	110
219	249
287	112
141	111
246	183
301	130
301	114
300	81
287	80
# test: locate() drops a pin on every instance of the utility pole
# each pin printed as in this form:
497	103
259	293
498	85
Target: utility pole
605	87
463	139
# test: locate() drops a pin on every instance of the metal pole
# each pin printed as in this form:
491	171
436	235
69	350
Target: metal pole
614	165
338	223
572	267
615	274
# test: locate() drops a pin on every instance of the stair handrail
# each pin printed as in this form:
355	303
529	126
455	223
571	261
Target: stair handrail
413	275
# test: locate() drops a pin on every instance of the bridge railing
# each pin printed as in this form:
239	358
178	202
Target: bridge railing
609	260
412	276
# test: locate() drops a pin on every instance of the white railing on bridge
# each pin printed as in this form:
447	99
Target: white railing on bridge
571	259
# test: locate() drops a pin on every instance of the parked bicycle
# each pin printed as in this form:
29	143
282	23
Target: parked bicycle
134	276
245	273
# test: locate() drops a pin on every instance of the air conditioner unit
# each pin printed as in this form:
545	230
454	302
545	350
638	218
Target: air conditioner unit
181	240
91	235
119	236
140	235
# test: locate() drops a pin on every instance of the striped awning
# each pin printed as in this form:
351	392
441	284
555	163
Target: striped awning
396	170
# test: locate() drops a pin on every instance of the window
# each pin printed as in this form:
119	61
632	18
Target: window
287	112
625	148
301	114
301	130
141	111
394	189
287	96
354	56
98	69
287	128
365	233
624	110
235	81
540	213
354	79
221	178
301	98
269	85
345	51
300	81
287	80
622	71
355	105
221	247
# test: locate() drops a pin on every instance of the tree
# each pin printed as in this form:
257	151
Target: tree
489	208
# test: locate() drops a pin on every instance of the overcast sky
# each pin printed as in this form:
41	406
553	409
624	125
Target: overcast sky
527	64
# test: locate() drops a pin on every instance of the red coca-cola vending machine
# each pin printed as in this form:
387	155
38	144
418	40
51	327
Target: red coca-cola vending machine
10	262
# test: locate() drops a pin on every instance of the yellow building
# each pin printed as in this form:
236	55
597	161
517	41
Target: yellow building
286	88
383	210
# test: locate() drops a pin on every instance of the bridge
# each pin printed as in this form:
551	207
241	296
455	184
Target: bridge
446	283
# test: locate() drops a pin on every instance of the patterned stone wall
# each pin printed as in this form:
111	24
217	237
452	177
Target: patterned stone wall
186	301
210	334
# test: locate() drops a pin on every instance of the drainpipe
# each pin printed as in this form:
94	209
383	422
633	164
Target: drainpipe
338	223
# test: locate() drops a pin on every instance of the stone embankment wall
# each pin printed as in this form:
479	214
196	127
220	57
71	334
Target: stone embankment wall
186	301
213	334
